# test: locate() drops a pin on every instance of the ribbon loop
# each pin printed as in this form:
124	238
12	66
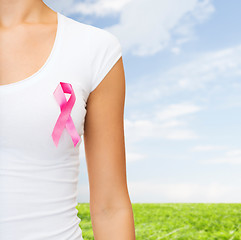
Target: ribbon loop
64	119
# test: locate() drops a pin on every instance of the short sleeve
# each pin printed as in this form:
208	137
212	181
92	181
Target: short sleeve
106	51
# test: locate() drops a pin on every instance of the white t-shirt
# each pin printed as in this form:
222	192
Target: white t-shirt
38	179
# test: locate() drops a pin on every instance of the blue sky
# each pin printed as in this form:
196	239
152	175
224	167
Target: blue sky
182	64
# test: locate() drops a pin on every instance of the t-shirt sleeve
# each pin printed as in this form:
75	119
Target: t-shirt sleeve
106	51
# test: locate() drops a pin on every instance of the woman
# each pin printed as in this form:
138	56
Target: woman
59	80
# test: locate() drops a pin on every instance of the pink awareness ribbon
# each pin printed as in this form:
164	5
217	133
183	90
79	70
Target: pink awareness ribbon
64	119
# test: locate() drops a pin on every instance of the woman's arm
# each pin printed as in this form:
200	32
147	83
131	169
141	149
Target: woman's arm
110	205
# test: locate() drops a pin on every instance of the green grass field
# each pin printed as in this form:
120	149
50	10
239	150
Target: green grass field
183	221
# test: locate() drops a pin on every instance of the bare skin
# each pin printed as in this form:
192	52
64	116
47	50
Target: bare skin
110	206
27	34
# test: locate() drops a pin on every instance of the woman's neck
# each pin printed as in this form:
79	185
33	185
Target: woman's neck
14	12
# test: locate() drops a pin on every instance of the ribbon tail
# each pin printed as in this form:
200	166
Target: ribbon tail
58	129
72	131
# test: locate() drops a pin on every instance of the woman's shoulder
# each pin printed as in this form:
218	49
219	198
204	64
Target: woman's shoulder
96	36
93	48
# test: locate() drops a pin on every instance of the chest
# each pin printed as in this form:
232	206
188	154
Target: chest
28	107
29	114
24	51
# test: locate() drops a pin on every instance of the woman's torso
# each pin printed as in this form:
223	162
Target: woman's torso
38	180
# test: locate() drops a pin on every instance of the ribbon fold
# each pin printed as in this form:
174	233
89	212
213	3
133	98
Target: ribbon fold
64	119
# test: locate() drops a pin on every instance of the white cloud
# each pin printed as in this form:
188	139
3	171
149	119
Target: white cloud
162	124
229	157
99	8
148	26
202	148
137	130
176	50
143	191
206	68
133	157
206	73
177	110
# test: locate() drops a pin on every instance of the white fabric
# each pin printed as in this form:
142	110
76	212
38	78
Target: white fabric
38	181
